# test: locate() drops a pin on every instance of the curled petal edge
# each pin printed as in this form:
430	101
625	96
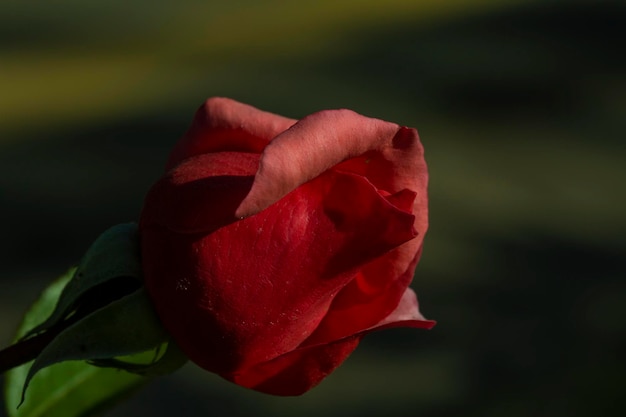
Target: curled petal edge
313	145
279	376
222	124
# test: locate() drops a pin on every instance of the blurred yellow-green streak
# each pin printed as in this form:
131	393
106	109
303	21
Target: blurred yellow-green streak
96	76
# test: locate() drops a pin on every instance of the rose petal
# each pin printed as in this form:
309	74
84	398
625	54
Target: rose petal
398	166
374	293
406	314
381	284
296	372
300	370
222	124
261	286
184	200
311	146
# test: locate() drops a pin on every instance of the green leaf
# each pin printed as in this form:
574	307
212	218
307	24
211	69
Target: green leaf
114	254
126	326
171	360
67	389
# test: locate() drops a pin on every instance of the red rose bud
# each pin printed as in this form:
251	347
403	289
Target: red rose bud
272	246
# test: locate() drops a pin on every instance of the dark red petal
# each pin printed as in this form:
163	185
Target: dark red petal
403	199
296	372
396	166
376	289
370	297
311	146
300	370
380	285
222	124
260	286
202	193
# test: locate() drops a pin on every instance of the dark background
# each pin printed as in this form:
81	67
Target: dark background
521	106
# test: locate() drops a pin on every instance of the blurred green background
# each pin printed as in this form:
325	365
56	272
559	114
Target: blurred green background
521	106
